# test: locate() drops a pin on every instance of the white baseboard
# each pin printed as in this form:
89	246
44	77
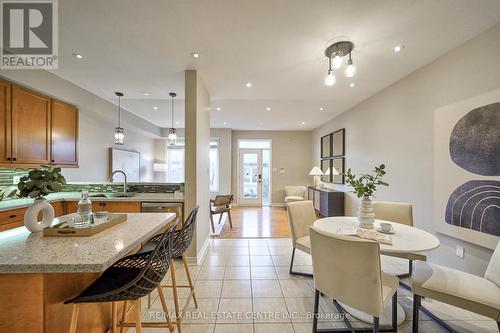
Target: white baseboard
278	204
201	253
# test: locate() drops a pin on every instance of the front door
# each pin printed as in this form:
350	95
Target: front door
250	177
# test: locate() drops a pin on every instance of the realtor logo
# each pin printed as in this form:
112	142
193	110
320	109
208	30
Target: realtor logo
29	34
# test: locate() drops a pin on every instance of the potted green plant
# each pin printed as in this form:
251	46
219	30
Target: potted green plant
365	187
36	185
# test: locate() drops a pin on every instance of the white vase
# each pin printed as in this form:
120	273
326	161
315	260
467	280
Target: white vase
366	214
31	215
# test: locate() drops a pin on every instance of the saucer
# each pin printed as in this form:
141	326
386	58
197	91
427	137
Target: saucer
390	232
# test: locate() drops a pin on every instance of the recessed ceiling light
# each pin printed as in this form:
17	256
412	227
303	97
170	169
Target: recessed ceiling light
155	107
303	123
351	84
77	56
398	48
145	94
268	109
321	109
225	123
248	84
195	55
218	109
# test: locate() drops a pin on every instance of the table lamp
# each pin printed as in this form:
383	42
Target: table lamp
317	173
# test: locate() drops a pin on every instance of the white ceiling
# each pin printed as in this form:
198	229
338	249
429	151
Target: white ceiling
277	45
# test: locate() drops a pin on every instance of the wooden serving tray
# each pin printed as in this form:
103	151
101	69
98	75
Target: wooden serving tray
59	230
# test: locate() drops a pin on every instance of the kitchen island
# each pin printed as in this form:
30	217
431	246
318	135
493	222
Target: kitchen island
37	274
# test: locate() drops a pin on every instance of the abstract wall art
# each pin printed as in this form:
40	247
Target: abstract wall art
467	169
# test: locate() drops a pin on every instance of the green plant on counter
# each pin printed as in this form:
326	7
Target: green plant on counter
41	182
366	184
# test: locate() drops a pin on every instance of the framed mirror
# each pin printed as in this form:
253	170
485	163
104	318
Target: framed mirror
338	165
338	143
326	146
325	167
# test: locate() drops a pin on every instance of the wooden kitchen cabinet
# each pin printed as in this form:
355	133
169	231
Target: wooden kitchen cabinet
5	120
36	129
30	127
14	218
64	127
109	206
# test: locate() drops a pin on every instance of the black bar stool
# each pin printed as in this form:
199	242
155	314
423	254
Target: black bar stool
129	279
182	241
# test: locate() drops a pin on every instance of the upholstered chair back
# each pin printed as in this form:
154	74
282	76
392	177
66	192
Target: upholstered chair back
347	269
394	212
493	270
301	215
295	191
223	200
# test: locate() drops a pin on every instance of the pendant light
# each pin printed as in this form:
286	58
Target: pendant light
335	54
119	132
330	78
172	132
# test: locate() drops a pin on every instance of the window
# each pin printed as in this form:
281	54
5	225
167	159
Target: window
214	165
175	163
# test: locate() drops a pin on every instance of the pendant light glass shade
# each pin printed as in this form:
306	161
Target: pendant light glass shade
172	136
337	60
119	132
350	70
119	136
172	132
330	79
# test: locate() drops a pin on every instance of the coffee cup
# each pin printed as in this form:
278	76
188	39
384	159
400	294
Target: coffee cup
386	227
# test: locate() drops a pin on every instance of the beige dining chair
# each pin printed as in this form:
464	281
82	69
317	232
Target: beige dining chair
347	270
467	291
301	215
401	213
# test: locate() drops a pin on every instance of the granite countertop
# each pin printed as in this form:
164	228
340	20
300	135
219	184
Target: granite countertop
25	252
75	196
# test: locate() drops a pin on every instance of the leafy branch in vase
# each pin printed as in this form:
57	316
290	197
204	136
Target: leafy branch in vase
366	184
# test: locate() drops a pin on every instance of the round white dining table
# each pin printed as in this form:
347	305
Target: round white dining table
405	239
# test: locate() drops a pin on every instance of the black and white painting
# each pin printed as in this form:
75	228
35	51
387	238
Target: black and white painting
467	169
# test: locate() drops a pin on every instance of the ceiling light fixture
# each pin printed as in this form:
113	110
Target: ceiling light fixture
351	85
77	56
248	84
335	54
119	132
225	123
321	109
268	109
172	132
398	48
303	123
195	55
155	107
145	94
218	109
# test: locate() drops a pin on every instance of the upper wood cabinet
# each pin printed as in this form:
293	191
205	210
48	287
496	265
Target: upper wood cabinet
5	120
36	129
30	127
64	133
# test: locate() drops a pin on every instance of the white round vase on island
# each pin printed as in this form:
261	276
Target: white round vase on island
31	215
366	214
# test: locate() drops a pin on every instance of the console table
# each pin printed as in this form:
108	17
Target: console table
327	202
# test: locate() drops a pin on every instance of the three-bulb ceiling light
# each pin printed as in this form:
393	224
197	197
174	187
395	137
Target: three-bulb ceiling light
172	132
335	54
119	132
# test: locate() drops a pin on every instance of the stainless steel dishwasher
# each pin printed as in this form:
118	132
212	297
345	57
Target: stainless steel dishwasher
164	207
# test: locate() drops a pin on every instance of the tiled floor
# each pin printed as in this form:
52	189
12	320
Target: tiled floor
243	286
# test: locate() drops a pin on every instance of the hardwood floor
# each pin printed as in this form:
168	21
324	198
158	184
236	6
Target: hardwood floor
257	222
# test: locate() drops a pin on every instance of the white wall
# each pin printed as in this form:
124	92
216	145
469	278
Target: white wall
225	136
291	150
97	121
395	127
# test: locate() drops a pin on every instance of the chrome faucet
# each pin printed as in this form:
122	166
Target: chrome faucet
124	176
